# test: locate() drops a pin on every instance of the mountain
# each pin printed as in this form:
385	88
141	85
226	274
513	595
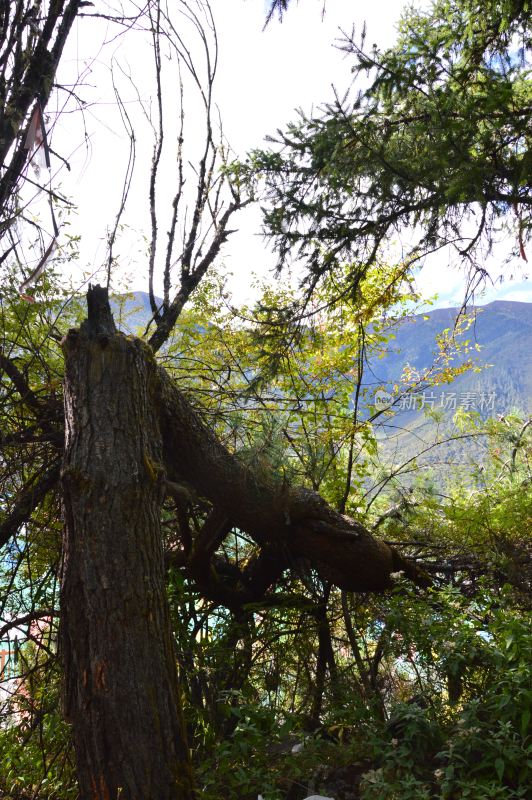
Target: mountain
503	332
132	311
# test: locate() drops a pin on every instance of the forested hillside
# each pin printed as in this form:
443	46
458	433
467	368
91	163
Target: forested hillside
502	332
495	344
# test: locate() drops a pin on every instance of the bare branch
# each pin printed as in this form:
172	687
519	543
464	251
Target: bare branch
37	614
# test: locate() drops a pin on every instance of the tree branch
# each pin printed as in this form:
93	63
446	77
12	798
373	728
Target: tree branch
38	614
272	513
27	502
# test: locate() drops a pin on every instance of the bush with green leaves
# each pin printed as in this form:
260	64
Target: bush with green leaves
477	745
36	754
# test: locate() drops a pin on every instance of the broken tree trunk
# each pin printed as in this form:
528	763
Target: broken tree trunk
295	519
121	690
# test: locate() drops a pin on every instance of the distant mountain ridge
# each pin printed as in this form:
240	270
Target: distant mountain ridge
503	329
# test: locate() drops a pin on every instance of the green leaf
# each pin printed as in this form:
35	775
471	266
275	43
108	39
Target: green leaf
525	719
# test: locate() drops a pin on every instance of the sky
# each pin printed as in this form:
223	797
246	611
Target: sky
263	77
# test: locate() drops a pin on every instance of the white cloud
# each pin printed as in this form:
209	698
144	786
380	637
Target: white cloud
519	292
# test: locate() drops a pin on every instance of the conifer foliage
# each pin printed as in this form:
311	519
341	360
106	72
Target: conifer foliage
437	140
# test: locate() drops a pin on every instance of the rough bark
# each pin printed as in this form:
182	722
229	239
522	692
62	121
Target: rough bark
121	690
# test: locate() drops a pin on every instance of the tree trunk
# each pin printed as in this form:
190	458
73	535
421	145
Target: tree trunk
299	520
121	691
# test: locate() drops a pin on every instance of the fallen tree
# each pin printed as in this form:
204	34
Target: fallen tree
294	521
130	436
